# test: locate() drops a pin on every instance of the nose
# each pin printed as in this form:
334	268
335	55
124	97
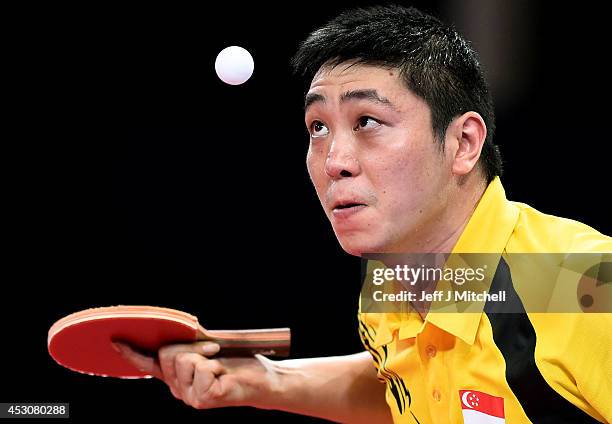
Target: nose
341	159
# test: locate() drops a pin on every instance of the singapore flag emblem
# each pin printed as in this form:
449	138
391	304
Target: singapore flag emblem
481	408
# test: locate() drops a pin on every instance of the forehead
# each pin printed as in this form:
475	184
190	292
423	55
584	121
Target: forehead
331	82
351	71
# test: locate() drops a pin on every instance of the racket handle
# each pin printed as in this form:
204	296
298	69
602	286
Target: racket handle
269	342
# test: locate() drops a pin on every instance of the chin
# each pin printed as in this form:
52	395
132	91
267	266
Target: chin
357	245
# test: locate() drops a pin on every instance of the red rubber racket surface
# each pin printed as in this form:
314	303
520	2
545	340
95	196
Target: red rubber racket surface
82	341
85	343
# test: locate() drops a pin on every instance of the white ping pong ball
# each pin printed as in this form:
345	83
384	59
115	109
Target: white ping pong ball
234	65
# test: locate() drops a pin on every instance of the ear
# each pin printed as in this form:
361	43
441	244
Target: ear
467	134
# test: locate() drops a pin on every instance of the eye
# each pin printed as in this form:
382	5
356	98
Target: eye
366	123
318	129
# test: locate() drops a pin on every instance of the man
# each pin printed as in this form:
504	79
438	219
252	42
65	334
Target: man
402	158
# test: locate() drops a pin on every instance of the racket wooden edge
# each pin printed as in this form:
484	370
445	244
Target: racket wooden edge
268	342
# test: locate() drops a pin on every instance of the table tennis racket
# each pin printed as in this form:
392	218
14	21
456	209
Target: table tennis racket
82	341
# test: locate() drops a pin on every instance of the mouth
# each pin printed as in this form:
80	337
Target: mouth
348	205
346	209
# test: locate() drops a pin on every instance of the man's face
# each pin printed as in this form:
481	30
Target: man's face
377	169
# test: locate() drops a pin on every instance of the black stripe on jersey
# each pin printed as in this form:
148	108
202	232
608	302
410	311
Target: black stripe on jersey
369	330
399	399
515	337
376	356
388	375
392	377
398	379
378	359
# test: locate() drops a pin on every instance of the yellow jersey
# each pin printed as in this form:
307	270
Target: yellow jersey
495	368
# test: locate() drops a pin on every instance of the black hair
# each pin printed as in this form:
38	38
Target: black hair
434	61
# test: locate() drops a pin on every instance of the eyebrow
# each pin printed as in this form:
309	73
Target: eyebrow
370	95
312	98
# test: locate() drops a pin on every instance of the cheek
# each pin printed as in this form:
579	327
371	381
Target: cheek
315	165
404	180
311	162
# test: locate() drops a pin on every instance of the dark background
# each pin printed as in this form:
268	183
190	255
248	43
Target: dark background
138	177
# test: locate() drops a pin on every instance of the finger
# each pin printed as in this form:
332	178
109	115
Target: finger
206	348
144	363
168	353
174	392
205	386
185	364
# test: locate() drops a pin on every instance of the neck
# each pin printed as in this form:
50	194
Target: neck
441	233
445	240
